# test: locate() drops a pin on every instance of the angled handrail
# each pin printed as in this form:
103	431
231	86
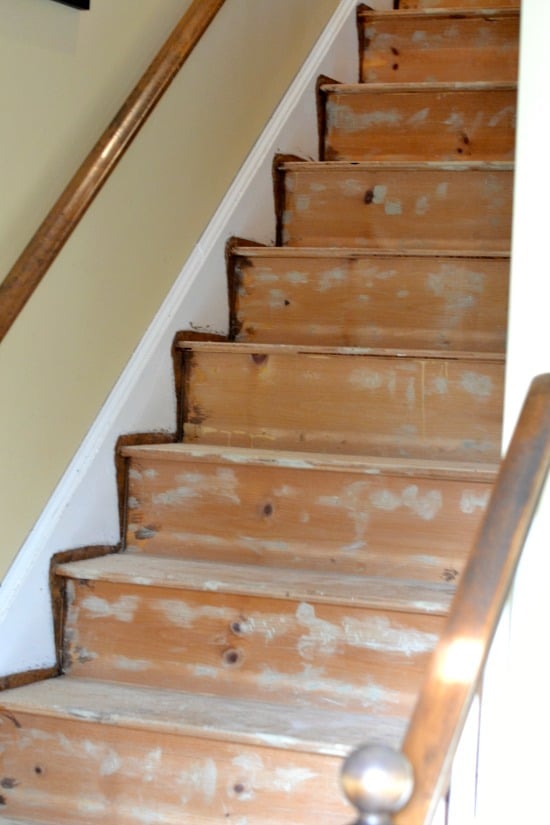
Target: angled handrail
456	667
52	234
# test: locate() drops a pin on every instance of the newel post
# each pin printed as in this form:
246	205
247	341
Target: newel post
378	781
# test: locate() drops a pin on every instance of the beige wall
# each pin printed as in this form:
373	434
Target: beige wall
63	74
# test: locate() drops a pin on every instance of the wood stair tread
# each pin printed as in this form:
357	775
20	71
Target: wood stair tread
418	86
457	12
309	349
271	582
435	468
185	714
257	251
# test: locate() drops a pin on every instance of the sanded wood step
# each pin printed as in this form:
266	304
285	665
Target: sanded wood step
419	121
209	639
343	401
354	297
454	205
302	511
84	751
458	4
441	44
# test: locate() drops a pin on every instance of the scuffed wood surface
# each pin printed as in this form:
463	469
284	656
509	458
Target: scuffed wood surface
250	647
85	752
392	205
459	4
420	121
414	407
445	45
300	511
354	297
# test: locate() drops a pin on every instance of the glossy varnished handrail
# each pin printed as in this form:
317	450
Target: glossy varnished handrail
457	665
50	237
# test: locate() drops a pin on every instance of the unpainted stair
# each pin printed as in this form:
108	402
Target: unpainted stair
288	560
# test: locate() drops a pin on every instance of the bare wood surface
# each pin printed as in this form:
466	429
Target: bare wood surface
456	668
348	403
287	295
459	4
59	224
442	44
411	520
419	121
388	204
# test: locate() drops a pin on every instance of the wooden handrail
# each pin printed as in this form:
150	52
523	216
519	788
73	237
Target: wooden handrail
456	667
415	780
50	237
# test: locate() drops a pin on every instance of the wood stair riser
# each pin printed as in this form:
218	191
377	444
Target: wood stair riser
393	301
445	46
245	647
71	771
411	407
454	206
374	123
370	523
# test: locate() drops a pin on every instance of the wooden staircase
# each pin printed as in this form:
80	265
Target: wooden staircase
288	562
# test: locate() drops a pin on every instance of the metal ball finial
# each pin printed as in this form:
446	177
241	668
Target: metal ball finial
378	781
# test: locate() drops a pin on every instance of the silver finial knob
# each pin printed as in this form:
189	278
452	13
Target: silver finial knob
379	781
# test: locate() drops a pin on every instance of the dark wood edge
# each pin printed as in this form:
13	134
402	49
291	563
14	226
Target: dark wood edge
443	704
64	216
321	103
232	263
278	175
121	468
26	677
362	39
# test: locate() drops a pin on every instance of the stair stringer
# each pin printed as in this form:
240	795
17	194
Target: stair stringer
83	510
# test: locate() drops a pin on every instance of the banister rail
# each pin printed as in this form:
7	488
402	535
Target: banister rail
50	237
456	667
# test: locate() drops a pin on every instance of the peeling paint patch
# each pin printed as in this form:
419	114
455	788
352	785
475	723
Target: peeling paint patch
481	386
425	506
123	610
331	278
393	207
471	501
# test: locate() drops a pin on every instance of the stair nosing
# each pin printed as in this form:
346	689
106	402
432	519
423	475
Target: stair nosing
266	582
400	165
367	87
186	714
352	352
360	252
455	12
367	465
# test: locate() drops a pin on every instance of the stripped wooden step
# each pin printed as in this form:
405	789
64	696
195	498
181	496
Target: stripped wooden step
343	400
474	44
336	514
354	297
388	205
184	632
419	121
85	751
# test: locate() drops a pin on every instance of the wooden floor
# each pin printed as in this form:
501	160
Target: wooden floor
288	560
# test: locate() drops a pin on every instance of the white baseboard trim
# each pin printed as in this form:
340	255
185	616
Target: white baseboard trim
83	509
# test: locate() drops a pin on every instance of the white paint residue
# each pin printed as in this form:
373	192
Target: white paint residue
276	298
425	506
288	779
508	113
134	474
422	205
331	278
317	187
455	121
471	500
323	636
366	379
133	665
223	485
265	276
442	189
352	187
379	193
133	503
151	473
419	36
296	277
123	610
92	807
481	386
151	765
377	633
419	117
302	203
393	208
